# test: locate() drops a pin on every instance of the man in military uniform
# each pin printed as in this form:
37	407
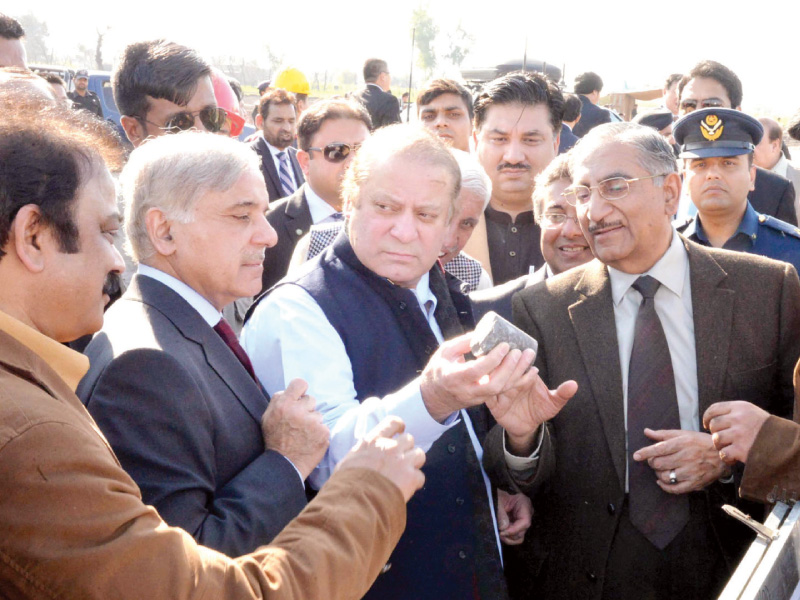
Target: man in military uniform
717	146
83	97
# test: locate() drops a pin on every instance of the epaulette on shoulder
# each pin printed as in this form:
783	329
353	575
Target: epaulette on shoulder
778	225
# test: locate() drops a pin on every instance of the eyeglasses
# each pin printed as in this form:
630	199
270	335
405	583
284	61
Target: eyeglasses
689	104
212	117
336	152
614	188
555	220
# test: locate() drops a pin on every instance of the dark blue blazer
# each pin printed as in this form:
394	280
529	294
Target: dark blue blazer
498	298
269	171
291	219
567	140
774	196
184	418
591	116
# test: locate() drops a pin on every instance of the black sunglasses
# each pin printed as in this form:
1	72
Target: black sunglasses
212	118
336	152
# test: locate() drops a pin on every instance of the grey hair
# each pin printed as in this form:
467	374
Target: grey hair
557	170
473	176
172	172
394	141
654	154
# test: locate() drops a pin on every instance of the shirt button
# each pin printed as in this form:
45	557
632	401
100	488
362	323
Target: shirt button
512	253
386	567
298	231
513	230
460	501
591	577
402	305
451	448
611	508
462	554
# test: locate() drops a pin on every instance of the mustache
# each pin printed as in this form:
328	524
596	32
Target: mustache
604	225
113	284
518	167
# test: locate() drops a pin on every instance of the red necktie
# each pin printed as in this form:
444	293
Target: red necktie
229	337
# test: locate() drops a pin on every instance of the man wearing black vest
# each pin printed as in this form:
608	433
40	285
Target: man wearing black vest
362	320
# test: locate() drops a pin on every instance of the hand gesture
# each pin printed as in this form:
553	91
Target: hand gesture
734	426
293	428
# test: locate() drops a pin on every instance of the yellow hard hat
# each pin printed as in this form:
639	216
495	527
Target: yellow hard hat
292	80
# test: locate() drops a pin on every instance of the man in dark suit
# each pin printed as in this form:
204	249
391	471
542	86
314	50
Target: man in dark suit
383	106
588	87
628	488
277	119
169	385
572	114
563	244
401	193
713	85
329	132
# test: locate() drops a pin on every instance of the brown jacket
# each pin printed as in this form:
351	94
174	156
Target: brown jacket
72	523
772	472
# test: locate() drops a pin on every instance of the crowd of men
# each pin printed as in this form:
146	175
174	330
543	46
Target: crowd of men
279	400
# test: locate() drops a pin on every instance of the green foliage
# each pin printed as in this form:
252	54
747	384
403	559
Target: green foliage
425	37
36	35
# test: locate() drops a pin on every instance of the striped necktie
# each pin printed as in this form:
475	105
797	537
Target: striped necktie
285	174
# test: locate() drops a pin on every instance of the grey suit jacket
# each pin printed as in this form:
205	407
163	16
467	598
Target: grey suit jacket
184	418
291	219
747	334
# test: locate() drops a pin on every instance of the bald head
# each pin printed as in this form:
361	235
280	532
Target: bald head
769	150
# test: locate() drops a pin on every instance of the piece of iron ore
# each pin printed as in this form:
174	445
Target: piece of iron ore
493	329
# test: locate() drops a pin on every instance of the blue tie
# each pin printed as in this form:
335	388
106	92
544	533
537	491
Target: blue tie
285	177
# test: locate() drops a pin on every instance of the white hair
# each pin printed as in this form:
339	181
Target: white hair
172	172
473	177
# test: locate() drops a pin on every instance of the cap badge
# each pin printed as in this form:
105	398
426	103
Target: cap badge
711	128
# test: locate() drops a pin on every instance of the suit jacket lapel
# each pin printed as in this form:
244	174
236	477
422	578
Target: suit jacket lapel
268	165
592	319
712	308
298	216
192	326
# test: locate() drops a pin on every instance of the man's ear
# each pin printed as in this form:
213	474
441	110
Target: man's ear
302	159
753	173
259	122
672	192
134	129
29	237
159	230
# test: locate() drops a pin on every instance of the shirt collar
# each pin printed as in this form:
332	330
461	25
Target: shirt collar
781	167
71	366
747	226
319	209
669	270
210	314
274	151
424	294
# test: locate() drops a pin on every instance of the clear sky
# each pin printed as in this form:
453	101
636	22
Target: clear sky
633	44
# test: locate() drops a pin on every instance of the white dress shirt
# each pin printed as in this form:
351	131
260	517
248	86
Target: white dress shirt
673	304
321	211
288	336
277	161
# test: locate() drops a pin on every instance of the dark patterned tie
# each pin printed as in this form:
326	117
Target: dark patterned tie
284	175
653	403
229	337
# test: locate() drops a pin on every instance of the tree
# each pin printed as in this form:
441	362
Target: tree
275	60
98	53
459	44
36	36
425	37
